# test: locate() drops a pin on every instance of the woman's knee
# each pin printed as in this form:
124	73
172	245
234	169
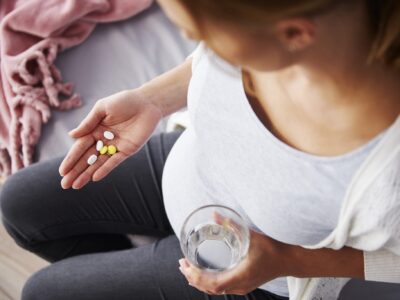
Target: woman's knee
41	286
22	200
13	201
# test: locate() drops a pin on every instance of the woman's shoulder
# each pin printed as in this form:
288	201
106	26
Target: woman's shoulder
215	63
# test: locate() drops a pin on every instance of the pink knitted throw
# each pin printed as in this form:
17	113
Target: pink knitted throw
32	33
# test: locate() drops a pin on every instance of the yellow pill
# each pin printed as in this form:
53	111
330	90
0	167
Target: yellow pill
112	149
103	150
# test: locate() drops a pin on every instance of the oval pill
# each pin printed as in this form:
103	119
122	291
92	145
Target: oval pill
112	149
99	145
103	150
108	135
92	159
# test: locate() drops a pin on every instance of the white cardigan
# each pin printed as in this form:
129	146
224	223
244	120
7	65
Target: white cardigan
369	220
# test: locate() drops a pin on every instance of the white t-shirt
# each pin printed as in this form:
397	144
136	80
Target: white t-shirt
227	156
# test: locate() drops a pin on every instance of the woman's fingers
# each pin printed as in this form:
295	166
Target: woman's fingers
86	175
212	283
81	172
76	160
108	166
226	222
90	122
75	153
79	167
75	168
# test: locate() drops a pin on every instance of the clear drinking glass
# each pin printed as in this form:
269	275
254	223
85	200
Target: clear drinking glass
215	238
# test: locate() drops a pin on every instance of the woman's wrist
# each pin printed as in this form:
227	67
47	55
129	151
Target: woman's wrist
149	96
168	91
282	255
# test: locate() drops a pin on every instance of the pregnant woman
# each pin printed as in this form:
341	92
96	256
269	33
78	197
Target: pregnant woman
293	111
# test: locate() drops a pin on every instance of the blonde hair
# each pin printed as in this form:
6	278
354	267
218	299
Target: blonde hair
384	17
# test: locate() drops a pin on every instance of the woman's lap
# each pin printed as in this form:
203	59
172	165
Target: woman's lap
148	272
84	232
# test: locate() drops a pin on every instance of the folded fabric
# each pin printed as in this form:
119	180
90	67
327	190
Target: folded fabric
32	33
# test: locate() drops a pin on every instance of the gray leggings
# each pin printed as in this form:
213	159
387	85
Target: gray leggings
84	232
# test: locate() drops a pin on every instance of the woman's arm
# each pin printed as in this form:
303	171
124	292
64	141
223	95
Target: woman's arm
346	262
380	265
169	90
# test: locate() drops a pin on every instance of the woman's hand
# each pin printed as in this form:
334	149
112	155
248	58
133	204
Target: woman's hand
129	116
266	260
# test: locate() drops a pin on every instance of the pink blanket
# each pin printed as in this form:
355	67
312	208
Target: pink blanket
32	33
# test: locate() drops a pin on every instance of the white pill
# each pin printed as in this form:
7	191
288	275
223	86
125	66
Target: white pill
92	159
99	145
108	135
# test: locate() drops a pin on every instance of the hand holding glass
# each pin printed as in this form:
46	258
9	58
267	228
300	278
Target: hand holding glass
215	238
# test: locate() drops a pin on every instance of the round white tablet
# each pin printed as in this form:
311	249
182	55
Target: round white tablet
92	159
99	145
108	135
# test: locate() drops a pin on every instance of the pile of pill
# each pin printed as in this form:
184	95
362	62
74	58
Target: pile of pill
103	149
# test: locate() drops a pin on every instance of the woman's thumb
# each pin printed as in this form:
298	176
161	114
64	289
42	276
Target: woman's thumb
89	123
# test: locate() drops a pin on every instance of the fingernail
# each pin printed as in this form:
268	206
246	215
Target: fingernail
63	182
181	262
180	269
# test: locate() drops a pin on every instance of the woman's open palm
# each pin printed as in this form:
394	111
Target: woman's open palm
130	118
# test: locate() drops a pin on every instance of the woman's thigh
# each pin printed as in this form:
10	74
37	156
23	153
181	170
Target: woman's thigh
148	272
129	200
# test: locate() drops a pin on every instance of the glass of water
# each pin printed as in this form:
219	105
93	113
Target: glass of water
215	238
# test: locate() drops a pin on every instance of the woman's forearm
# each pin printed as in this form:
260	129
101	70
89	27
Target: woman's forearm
169	90
346	262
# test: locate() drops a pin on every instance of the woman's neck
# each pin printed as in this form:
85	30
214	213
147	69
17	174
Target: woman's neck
330	109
